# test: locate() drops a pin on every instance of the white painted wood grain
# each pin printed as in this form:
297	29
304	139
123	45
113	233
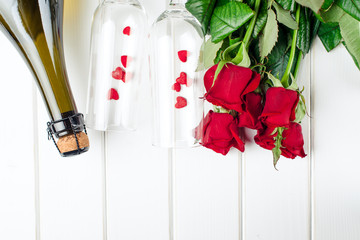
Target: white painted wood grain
207	200
277	203
17	146
336	145
71	188
137	180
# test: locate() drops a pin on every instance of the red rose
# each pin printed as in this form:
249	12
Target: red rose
252	110
220	133
266	138
280	106
232	83
293	142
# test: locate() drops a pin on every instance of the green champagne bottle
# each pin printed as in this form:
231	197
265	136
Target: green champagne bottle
35	27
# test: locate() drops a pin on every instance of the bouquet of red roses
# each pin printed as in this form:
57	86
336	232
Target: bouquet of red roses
253	59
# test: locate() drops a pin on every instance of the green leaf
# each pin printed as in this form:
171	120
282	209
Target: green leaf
293	86
275	82
242	57
277	149
330	35
261	19
284	17
300	111
202	10
270	36
351	7
286	4
208	54
218	70
327	4
279	56
228	53
350	30
303	40
219	54
228	16
334	14
219	109
355	60
314	5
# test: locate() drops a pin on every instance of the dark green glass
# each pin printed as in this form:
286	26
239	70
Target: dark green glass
35	27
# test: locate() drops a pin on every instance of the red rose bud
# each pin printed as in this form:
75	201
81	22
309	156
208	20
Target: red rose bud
183	55
180	102
280	106
182	79
220	133
265	138
113	94
176	87
293	142
249	118
231	85
127	31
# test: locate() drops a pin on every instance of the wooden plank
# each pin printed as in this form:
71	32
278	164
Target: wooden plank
71	188
206	195
137	181
277	203
17	146
336	143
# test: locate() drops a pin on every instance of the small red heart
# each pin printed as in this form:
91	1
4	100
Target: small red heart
113	94
127	31
182	79
180	102
119	74
176	87
183	55
124	60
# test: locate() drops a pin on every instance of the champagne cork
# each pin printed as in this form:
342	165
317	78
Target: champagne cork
68	142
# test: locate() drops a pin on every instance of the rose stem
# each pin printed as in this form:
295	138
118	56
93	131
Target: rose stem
251	27
285	78
297	67
250	30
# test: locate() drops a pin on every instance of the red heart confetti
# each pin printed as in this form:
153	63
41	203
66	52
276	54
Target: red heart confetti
113	94
119	74
176	87
183	55
182	79
180	102
127	31
124	60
